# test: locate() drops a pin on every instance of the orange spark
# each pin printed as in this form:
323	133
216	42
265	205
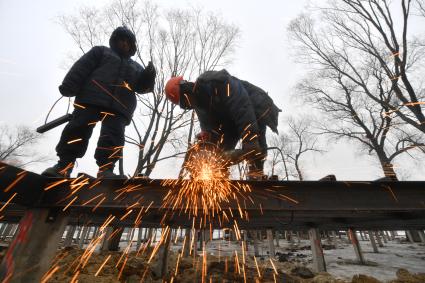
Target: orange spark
49	274
274	267
74	199
80	106
288	198
74	278
15	182
102	265
97	205
258	269
125	215
389	189
7	202
74	141
54	184
92	199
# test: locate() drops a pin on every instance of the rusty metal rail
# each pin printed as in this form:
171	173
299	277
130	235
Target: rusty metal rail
271	204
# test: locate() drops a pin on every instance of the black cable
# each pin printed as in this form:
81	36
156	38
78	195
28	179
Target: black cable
53	106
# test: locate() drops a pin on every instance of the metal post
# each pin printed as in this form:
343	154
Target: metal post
114	242
383	237
373	242
2	228
69	236
356	245
409	236
422	236
6	231
139	238
378	238
105	242
163	255
31	251
319	263
271	242
83	235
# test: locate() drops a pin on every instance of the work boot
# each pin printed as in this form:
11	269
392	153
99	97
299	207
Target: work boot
61	169
109	174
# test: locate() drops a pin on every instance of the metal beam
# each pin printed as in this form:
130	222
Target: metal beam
326	205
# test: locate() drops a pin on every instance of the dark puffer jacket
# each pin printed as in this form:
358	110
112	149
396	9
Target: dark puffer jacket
104	78
266	111
221	98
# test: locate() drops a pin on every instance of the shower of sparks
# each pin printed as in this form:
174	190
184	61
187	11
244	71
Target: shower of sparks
207	190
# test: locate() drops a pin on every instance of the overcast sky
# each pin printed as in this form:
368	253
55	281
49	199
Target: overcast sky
34	49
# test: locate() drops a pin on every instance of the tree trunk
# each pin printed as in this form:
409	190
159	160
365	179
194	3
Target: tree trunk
386	165
297	167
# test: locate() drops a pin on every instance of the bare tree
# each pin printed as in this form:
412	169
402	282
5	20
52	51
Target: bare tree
16	146
350	114
178	42
276	155
297	140
352	32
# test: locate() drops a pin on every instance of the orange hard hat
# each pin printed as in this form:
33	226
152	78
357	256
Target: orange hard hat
172	89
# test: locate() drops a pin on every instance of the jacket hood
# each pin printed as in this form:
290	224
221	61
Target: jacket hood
123	33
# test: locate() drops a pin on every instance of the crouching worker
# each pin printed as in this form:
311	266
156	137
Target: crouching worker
229	110
104	82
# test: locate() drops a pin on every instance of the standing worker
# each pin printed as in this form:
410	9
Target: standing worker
104	82
229	110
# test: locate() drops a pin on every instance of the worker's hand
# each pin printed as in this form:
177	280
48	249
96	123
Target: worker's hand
150	70
203	136
66	91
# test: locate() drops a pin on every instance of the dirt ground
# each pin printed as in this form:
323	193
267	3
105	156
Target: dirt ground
221	269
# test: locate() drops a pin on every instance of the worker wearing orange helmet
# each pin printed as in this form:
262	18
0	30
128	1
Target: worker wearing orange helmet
229	110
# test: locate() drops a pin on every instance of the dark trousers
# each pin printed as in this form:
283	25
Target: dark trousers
76	135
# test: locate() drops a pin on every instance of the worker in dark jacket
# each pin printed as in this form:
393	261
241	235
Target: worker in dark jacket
104	82
229	110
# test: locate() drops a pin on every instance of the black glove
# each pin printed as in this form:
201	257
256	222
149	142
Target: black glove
66	91
150	71
147	80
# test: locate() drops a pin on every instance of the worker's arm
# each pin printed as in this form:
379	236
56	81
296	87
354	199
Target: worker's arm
80	71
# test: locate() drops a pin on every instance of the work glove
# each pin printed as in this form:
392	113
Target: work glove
150	71
66	91
203	136
148	77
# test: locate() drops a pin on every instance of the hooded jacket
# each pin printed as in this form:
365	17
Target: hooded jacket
106	78
223	99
